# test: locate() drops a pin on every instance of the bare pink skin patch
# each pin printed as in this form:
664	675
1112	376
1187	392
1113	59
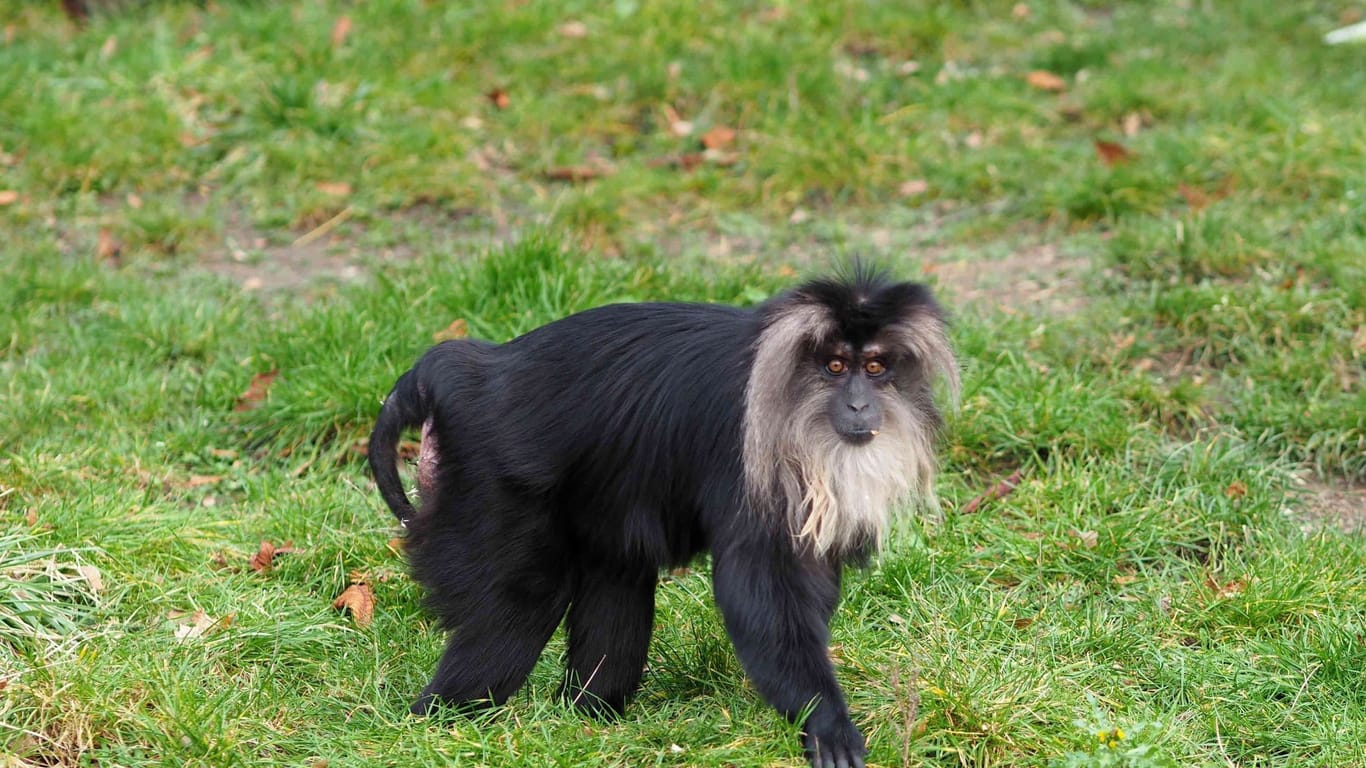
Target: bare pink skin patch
426	461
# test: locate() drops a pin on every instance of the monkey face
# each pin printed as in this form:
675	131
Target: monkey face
855	380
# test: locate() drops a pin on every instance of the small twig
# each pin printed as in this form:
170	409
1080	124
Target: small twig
584	688
324	228
998	491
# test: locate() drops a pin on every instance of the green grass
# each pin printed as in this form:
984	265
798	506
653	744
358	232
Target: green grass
1156	571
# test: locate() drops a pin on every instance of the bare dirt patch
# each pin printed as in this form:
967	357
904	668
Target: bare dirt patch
339	251
1325	504
1034	279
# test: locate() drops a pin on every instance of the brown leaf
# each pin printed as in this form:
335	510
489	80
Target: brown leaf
9	196
257	390
913	188
456	330
576	173
340	30
1022	622
1111	153
499	97
396	544
110	47
107	248
1226	590
196	481
333	188
574	30
1236	490
997	491
1195	197
687	161
718	137
261	561
1020	11
360	601
31	517
223	453
1046	81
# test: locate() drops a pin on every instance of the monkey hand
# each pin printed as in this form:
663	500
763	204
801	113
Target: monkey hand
836	744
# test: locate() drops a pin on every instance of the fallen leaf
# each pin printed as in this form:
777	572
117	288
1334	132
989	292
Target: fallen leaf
340	30
200	624
1226	590
110	47
107	248
1194	196
8	196
396	544
196	481
456	330
684	162
1020	11
576	173
1236	490
499	97
92	576
1022	622
257	390
913	188
997	491
1046	81
31	517
133	200
1133	123
718	137
261	561
360	601
1089	539
223	453
333	188
574	30
1111	153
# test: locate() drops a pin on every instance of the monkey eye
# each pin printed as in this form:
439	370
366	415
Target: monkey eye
836	367
874	368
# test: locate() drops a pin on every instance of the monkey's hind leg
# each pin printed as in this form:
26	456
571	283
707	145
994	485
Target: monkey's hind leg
489	655
610	619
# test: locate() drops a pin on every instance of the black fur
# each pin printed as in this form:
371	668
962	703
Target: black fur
577	461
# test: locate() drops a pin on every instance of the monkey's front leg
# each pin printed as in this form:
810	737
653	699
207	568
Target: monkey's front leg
777	609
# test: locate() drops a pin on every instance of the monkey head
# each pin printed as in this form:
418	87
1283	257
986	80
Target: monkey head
840	412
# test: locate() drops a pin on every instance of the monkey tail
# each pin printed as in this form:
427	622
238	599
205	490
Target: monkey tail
403	408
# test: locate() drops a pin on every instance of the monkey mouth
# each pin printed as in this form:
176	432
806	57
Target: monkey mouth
859	436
